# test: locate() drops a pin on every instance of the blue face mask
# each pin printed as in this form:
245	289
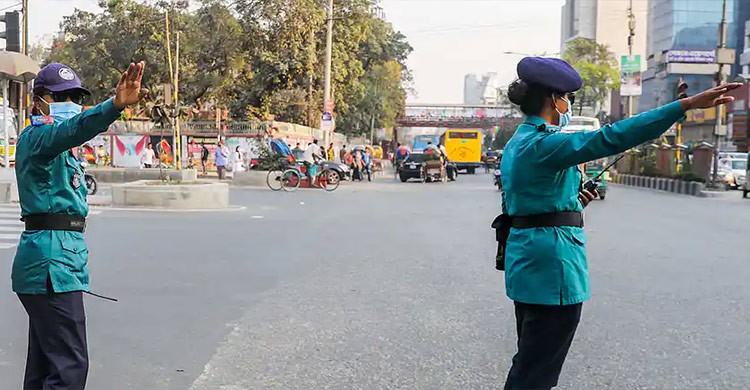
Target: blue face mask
564	118
62	111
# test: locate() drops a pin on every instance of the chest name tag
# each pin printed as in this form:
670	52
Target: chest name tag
76	181
41	120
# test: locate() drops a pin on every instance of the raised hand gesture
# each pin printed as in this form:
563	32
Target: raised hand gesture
710	97
129	89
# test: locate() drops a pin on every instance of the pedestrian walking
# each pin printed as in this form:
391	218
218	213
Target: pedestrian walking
204	157
331	153
49	271
101	156
238	161
311	156
545	256
220	159
342	154
148	156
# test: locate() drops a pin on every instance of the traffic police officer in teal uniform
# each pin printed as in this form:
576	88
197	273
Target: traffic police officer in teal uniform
49	271
546	273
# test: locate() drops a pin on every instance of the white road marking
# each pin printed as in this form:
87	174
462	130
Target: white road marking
11	226
158	210
11	229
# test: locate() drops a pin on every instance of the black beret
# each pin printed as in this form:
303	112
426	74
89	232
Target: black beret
551	73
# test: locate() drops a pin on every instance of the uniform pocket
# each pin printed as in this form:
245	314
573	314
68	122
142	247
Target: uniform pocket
73	247
74	250
579	237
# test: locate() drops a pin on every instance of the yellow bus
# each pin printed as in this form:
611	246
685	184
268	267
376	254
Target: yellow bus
464	148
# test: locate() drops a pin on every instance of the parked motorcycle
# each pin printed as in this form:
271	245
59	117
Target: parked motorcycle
91	184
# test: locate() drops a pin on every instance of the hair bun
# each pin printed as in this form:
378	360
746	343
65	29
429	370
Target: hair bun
517	91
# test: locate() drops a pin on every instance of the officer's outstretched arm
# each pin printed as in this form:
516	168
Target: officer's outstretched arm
564	150
73	132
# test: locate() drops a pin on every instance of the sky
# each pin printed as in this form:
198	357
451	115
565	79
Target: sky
450	37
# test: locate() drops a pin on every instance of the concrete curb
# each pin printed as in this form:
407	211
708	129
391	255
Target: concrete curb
674	186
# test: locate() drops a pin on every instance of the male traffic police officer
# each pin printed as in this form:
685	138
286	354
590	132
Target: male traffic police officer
49	271
545	256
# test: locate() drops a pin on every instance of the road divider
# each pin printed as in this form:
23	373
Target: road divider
676	186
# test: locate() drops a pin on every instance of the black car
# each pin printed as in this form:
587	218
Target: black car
342	169
413	167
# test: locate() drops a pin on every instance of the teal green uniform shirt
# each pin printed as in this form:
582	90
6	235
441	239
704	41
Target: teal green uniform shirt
50	181
540	174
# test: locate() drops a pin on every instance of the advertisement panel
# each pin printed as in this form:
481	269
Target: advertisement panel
630	75
692	56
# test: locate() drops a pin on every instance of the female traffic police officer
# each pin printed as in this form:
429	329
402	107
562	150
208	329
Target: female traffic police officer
49	271
545	256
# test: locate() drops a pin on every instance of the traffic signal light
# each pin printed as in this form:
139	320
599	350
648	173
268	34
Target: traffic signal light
681	91
12	33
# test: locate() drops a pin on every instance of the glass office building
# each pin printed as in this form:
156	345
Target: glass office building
687	25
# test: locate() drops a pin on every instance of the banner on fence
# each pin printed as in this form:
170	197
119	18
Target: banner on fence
128	149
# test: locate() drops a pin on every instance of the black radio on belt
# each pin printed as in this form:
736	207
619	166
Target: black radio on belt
67	222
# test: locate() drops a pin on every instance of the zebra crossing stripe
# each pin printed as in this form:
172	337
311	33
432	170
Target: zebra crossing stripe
11	229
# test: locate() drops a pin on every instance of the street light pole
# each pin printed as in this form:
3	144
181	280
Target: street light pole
177	132
631	27
329	54
720	79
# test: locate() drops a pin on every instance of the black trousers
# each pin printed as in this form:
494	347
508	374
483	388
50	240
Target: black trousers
544	337
57	357
220	170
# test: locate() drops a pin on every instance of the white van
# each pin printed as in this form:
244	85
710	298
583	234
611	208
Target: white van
582	123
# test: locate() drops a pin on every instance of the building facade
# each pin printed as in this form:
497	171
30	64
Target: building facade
741	107
481	90
682	40
606	22
744	57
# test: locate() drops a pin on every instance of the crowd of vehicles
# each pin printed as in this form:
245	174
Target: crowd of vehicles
733	170
425	168
422	141
290	172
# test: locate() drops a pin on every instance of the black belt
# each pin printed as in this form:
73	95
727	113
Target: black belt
563	218
55	222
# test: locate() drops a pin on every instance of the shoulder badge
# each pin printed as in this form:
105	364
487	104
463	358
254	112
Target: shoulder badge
76	181
41	120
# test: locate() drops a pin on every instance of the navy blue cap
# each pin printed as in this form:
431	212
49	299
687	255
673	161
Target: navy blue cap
57	77
552	73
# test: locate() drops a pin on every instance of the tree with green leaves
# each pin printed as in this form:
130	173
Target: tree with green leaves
598	67
258	58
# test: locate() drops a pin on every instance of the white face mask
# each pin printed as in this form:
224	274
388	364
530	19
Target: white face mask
62	111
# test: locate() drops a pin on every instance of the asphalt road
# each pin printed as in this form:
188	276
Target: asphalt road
392	286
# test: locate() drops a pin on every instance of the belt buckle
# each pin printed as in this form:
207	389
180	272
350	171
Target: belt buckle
79	225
